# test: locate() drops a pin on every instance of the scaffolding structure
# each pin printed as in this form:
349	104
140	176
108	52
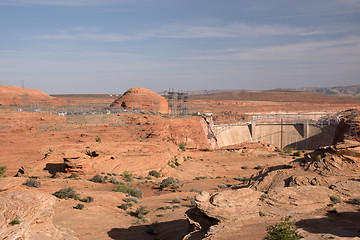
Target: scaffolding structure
178	103
352	125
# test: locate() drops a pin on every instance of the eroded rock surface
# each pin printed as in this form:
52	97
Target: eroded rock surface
28	215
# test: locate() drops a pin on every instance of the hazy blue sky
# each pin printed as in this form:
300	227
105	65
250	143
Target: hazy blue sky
108	46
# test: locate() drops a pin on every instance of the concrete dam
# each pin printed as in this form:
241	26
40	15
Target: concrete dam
297	131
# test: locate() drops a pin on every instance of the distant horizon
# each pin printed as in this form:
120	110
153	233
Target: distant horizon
199	90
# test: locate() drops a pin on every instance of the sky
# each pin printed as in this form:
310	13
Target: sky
109	46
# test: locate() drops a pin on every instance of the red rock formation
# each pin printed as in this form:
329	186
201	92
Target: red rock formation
143	99
12	95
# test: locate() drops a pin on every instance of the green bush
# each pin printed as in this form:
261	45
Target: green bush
2	170
176	200
131	199
285	230
114	180
297	154
66	193
154	173
98	139
200	178
127	176
167	182
32	183
124	206
97	179
15	222
128	189
141	212
182	146
244	167
287	150
79	206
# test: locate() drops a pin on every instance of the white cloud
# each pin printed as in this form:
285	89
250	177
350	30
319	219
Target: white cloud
330	54
81	35
181	31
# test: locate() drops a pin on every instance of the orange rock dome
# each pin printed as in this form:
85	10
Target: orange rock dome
142	98
12	95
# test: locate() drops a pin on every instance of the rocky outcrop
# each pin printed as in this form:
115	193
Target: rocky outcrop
12	95
142	99
29	215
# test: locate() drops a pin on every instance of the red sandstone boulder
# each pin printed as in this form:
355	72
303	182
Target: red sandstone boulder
142	99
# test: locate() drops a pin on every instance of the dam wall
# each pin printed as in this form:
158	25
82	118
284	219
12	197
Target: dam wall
297	135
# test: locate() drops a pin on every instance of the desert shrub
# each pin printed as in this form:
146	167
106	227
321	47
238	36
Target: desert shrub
15	222
261	214
97	179
333	210
297	154
176	200
114	180
241	179
174	163
127	176
222	186
154	173
141	212
66	193
131	199
73	176
32	183
285	230
87	199
263	197
199	178
182	146
79	206
195	190
98	139
258	167
244	167
128	189
355	201
335	199
124	206
164	208
2	170
167	182
287	150
171	164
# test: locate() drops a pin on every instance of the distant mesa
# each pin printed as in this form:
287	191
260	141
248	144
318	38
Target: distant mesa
13	95
142	99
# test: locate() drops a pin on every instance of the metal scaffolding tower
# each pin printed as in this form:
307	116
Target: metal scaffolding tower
178	103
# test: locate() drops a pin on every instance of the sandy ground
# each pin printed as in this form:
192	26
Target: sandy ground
39	142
